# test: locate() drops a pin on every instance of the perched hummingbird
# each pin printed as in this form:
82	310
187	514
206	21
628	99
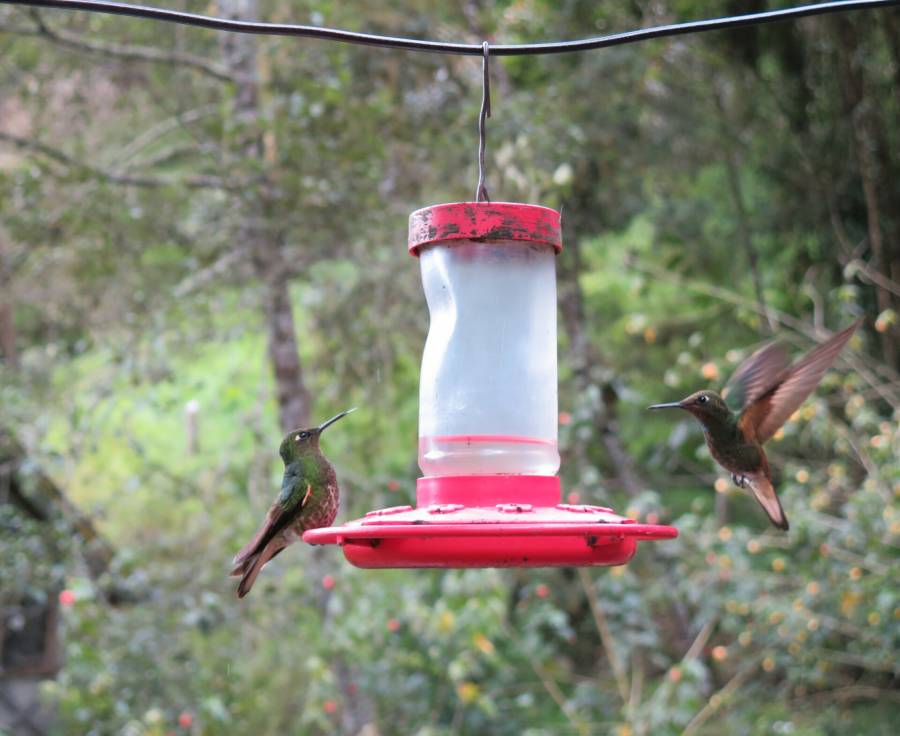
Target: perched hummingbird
763	392
308	500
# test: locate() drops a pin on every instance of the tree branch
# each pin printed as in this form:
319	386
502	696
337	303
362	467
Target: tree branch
173	152
567	710
606	636
857	265
61	157
857	360
121	51
199	278
161	129
700	641
852	692
857	660
719	699
637	684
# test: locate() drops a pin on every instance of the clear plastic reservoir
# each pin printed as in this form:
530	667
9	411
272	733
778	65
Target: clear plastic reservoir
488	399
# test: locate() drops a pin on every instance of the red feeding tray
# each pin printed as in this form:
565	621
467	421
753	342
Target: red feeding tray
489	521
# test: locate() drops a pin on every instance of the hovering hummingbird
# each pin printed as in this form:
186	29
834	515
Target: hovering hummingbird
308	500
763	392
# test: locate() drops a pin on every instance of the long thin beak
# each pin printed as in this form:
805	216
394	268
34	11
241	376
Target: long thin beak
669	405
331	421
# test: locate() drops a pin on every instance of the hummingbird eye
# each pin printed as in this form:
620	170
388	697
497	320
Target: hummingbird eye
702	399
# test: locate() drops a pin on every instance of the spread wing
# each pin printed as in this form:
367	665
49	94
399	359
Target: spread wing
755	376
293	497
772	409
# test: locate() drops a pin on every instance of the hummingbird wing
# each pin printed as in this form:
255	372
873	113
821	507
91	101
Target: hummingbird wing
755	376
293	497
766	414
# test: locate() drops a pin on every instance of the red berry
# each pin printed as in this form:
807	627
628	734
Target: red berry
393	625
66	598
542	591
574	497
330	706
393	485
328	582
186	719
565	418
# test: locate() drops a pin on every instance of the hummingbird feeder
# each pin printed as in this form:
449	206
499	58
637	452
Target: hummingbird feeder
488	413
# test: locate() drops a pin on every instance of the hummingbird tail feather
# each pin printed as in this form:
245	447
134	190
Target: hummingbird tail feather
250	568
252	546
764	492
239	569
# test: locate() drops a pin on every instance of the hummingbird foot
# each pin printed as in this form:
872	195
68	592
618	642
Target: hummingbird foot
740	480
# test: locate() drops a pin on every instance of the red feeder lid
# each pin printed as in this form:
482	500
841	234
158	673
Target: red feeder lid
484	221
472	521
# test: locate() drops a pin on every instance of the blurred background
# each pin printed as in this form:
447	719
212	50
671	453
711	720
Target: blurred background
203	240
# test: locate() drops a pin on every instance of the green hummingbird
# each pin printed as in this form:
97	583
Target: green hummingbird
763	392
308	499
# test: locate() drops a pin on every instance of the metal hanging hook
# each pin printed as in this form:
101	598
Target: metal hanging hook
481	193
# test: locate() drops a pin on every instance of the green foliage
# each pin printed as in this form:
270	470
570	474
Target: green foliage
678	165
33	558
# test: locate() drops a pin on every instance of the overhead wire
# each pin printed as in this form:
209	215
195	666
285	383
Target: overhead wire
442	47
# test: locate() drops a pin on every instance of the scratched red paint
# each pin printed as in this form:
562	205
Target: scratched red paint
484	221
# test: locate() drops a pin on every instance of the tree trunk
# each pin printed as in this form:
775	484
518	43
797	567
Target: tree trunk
891	28
745	236
871	159
584	361
260	231
290	387
588	370
8	336
8	347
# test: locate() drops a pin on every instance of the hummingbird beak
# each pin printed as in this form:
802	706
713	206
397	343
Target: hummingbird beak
669	405
322	427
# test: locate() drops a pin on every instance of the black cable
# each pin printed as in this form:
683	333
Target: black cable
439	47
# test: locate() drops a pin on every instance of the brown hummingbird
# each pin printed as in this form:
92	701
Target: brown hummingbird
308	499
763	392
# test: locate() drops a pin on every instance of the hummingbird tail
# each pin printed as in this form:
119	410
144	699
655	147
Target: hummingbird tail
764	492
238	570
252	547
250	567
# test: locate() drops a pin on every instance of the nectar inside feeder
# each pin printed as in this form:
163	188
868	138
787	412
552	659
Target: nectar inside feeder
488	410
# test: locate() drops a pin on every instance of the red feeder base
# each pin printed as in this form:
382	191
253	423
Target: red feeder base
489	521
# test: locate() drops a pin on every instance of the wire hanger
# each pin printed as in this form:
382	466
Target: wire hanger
481	193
